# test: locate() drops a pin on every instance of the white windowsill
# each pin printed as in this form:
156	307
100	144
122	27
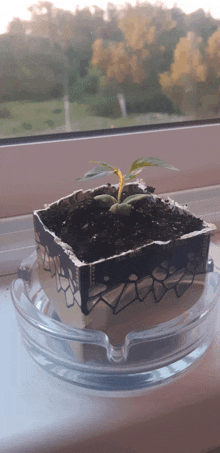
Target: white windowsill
40	412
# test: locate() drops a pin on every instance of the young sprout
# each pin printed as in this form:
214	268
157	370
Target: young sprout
103	169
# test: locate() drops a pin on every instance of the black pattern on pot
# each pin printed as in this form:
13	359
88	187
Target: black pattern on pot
135	289
121	280
64	282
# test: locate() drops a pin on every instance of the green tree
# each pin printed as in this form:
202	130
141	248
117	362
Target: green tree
213	52
202	24
16	27
30	68
210	91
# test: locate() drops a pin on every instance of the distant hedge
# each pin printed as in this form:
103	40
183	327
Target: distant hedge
106	106
142	104
138	103
31	90
87	85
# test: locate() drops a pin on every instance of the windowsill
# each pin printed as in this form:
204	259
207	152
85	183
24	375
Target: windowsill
39	411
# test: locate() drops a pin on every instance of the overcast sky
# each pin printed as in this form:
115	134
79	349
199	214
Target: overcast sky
15	8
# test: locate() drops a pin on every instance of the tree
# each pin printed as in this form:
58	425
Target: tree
210	92
16	27
188	68
213	52
143	26
43	25
115	62
117	65
128	61
202	24
30	68
42	20
111	30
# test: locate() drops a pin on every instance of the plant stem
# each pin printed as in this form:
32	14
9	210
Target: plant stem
121	185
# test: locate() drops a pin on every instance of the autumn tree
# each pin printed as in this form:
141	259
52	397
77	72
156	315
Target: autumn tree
188	68
128	61
136	51
143	26
117	65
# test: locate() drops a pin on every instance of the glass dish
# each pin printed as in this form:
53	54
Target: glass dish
86	358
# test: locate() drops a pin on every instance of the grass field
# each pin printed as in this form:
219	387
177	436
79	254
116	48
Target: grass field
35	118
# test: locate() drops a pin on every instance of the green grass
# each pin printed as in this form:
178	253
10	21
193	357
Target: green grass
31	118
34	118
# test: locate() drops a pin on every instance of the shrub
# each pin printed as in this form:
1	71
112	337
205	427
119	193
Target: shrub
86	85
5	113
30	90
50	123
57	111
55	92
136	103
27	126
106	106
91	84
140	103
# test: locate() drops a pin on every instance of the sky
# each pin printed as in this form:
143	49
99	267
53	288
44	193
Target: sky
15	8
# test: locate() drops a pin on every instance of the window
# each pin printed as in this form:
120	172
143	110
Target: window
41	168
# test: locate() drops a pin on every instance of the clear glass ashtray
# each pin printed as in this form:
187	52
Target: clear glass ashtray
86	358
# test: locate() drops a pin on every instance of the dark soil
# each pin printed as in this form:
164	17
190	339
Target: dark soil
95	232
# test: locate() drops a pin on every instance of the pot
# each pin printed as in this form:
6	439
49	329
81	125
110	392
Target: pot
137	289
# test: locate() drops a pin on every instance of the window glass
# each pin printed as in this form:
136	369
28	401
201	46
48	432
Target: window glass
68	68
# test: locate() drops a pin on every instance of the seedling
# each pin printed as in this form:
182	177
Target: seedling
103	169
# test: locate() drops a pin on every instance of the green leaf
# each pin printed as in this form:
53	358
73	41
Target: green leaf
105	200
148	162
121	208
95	173
134	198
132	175
107	166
